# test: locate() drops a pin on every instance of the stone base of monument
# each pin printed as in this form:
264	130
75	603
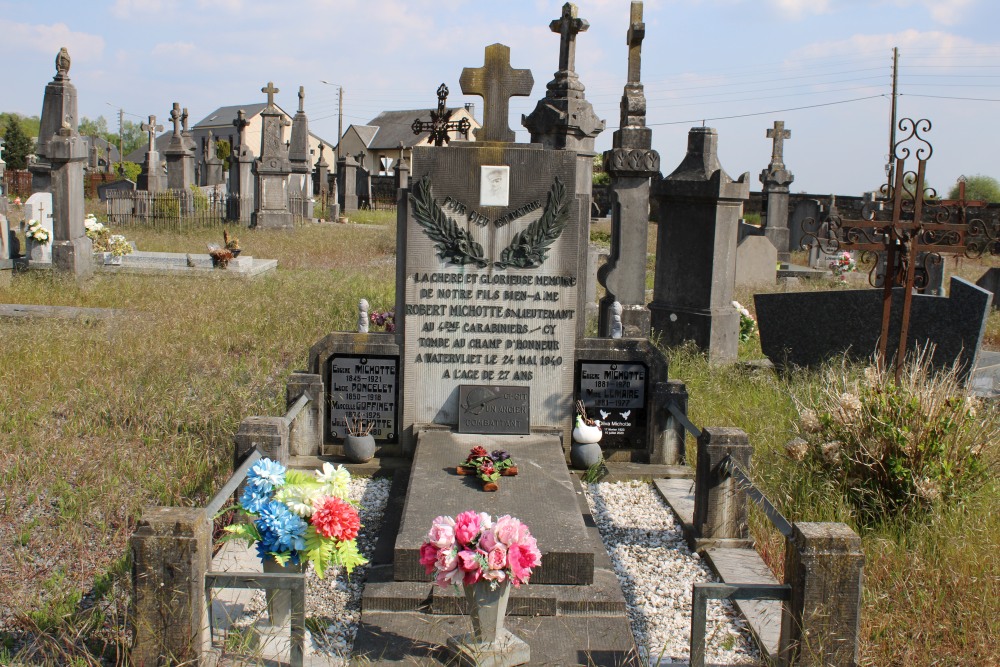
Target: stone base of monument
571	612
505	651
174	263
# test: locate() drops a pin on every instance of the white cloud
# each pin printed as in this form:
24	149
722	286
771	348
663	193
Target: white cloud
127	8
930	43
796	9
48	39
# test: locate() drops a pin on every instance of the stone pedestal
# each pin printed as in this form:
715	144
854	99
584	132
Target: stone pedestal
306	432
59	106
180	169
775	219
821	623
720	506
171	551
273	169
72	251
696	251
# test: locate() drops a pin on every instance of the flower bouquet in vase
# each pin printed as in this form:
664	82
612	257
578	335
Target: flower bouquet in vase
485	557
295	518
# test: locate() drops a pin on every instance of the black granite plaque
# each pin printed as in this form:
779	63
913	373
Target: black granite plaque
491	409
615	393
365	387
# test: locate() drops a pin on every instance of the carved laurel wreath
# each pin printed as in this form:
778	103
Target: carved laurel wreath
527	250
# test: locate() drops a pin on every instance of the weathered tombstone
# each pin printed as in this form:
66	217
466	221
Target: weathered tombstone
72	250
631	163
152	178
39	208
990	281
696	250
124	185
805	209
58	106
321	186
756	262
298	153
272	168
180	167
776	179
241	176
347	184
213	166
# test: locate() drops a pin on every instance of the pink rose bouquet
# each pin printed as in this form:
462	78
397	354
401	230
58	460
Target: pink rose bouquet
472	547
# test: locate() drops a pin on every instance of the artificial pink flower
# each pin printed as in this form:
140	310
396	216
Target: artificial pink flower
442	533
428	556
508	529
495	575
454	576
472	576
467	560
447	560
335	518
521	558
488	540
497	558
467	526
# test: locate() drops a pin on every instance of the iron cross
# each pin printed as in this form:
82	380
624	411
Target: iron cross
496	82
440	126
636	32
151	128
240	124
568	26
270	90
778	133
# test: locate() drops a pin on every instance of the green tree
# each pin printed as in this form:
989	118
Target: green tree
17	145
29	124
978	186
133	135
222	151
94	128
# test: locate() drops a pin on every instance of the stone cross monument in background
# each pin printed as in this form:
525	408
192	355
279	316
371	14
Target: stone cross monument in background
631	162
152	178
776	179
180	164
273	167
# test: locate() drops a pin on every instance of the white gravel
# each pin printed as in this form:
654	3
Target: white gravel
651	559
656	570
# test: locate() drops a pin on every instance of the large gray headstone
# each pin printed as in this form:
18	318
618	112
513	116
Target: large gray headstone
809	328
756	261
990	281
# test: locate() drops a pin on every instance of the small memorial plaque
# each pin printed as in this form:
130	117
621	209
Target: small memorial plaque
364	387
615	393
494	409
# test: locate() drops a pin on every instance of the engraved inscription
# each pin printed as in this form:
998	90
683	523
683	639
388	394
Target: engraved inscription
364	388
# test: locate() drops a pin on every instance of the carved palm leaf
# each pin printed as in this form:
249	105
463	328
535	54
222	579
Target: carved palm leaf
454	244
528	249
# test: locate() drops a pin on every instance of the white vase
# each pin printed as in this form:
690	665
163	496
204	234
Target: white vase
487	607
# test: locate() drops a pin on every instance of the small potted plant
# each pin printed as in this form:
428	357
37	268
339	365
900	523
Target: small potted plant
220	256
586	450
118	247
359	444
232	243
385	319
98	233
37	237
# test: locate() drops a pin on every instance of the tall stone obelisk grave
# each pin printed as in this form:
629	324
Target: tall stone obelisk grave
491	284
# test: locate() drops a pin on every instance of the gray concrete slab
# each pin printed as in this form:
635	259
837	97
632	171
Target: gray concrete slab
387	638
745	566
542	495
25	311
985	380
679	494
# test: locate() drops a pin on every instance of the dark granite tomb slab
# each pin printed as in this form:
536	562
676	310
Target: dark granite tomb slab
556	522
808	328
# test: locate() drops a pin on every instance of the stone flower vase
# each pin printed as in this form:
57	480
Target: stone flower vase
279	602
359	448
489	643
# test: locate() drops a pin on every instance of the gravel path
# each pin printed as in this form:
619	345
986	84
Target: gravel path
651	559
656	570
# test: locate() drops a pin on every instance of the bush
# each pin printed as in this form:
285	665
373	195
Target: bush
892	449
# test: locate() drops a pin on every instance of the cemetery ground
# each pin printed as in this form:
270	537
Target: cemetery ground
100	417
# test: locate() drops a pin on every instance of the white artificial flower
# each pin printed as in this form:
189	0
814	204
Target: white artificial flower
336	480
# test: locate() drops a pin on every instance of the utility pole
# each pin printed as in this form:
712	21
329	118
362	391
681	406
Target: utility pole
891	166
340	119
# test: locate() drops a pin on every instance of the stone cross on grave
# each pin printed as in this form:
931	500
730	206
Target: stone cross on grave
302	99
778	133
151	128
569	26
270	90
496	82
240	123
636	33
175	117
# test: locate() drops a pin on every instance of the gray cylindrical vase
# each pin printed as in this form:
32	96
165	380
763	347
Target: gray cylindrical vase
584	455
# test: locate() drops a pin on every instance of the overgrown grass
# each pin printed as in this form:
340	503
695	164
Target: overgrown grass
931	582
100	418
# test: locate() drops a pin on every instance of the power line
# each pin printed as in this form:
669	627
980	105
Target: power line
947	97
764	113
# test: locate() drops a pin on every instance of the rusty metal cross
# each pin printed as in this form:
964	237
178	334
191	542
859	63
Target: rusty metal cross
439	125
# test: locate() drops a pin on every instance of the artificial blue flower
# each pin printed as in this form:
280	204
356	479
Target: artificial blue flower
254	499
282	530
265	475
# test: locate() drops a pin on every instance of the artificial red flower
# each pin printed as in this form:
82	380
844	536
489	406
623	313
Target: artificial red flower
335	518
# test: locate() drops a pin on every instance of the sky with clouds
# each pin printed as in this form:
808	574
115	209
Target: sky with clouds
822	66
